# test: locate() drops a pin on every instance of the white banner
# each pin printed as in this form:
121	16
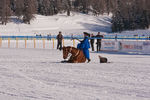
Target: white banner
146	47
131	46
110	45
127	46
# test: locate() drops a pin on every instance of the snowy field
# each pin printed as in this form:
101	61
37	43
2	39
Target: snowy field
37	74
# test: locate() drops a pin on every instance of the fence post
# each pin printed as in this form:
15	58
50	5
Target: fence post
25	42
73	43
34	42
136	38
16	42
53	43
8	42
0	42
43	43
63	43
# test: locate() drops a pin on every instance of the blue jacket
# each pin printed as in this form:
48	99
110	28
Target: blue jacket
85	45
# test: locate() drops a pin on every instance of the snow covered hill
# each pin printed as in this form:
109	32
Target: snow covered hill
76	23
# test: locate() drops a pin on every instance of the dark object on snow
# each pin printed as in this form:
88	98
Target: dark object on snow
92	41
59	40
99	41
103	59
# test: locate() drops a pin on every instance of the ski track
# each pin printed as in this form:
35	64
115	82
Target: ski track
37	74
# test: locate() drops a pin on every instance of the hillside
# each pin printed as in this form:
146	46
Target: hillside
74	24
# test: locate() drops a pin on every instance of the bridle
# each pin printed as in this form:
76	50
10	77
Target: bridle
77	53
70	50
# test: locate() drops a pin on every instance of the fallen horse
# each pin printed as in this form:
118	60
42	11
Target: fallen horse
77	56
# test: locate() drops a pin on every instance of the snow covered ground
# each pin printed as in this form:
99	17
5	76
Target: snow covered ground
77	23
37	74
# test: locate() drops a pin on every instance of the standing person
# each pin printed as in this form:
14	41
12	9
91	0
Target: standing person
92	41
84	46
59	40
48	36
99	41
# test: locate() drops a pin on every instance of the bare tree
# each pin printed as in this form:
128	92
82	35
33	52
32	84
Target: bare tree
19	7
28	10
5	11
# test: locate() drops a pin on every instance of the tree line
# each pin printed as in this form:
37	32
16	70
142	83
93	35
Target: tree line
131	15
127	14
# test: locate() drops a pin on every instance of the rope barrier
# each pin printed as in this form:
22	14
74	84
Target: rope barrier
53	40
70	37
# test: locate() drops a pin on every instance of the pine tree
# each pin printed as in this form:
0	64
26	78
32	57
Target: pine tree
131	15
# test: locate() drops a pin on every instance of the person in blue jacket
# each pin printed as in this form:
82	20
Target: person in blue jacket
85	45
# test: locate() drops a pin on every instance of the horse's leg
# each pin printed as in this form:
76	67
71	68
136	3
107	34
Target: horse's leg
70	60
75	61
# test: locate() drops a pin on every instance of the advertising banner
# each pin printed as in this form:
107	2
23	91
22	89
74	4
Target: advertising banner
146	47
131	46
127	46
110	45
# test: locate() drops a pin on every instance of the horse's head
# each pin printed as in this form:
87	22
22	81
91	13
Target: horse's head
66	51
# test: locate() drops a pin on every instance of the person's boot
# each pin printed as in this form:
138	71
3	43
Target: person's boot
89	60
60	49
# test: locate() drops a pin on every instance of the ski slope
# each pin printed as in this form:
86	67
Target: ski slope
77	23
37	74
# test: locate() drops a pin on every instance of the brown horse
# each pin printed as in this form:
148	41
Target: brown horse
77	55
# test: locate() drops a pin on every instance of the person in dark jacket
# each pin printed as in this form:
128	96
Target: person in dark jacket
48	36
99	41
84	46
92	41
59	40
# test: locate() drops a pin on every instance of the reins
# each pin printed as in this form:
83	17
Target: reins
70	50
77	53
